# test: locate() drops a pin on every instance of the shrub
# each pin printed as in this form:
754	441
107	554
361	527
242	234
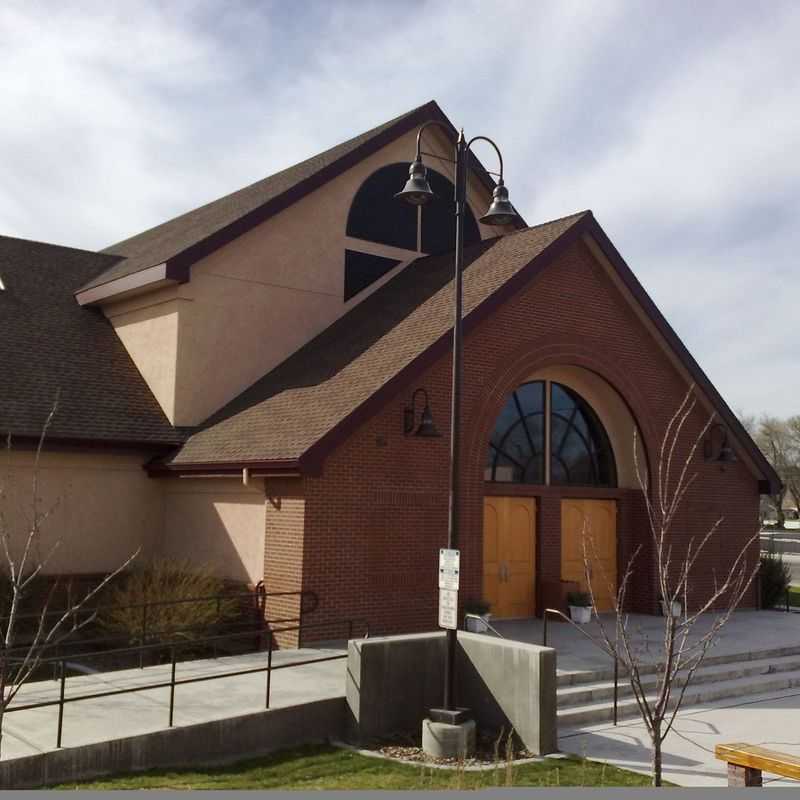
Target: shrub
476	606
168	583
775	578
579	599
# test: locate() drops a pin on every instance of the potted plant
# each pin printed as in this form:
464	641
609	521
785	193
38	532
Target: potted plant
676	608
476	615
580	607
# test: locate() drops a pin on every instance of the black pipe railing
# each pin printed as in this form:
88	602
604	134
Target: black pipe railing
174	682
259	596
561	615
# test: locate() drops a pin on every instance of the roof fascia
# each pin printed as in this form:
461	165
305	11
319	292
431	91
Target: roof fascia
182	262
313	458
154	277
289	467
685	358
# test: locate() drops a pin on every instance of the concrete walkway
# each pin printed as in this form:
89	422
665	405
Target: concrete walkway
34	731
746	631
688	752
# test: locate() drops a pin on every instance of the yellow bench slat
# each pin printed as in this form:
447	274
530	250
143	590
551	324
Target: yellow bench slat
755	757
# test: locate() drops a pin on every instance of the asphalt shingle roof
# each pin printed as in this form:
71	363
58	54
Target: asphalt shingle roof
282	415
51	345
178	236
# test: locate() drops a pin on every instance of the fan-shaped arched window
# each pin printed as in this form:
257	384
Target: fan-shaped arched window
378	218
567	432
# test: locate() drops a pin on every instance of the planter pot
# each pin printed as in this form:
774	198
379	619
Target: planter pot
580	614
676	608
477	624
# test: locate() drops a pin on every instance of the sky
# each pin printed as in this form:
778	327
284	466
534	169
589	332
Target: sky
677	123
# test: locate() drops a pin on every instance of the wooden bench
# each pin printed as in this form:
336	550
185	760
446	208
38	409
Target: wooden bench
746	762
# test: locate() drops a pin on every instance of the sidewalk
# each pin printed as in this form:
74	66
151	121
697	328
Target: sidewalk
688	752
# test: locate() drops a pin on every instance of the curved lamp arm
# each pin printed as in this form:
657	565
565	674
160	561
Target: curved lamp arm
466	148
496	149
422	128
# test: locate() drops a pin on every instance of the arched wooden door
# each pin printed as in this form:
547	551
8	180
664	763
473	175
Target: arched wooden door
600	520
509	555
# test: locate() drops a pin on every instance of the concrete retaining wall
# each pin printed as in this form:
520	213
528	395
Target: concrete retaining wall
217	742
393	681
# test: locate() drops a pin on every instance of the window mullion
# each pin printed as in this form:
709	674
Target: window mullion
547	433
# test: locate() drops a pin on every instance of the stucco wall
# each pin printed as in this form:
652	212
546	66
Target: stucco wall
103	507
148	327
217	522
255	301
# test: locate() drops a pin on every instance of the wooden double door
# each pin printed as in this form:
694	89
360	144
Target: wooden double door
596	521
509	555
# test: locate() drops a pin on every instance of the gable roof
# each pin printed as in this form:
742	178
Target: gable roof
53	346
185	239
283	415
302	408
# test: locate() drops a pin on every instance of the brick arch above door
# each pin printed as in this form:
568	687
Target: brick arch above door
527	362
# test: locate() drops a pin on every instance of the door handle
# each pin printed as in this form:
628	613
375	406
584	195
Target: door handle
503	571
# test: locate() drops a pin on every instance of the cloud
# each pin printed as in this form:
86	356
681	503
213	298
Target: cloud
676	123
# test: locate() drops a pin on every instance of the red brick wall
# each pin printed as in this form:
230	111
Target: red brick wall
284	548
375	518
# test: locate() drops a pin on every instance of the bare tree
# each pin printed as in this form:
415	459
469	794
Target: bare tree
779	440
687	637
25	557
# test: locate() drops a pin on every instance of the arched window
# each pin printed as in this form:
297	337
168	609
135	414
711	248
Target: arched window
580	453
567	432
378	218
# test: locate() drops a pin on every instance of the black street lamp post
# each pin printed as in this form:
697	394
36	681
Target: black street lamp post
417	191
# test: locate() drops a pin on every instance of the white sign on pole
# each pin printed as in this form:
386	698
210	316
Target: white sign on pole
448	609
449	565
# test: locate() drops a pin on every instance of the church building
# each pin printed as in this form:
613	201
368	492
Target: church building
244	386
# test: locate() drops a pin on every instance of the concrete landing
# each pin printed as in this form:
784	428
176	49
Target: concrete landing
746	631
87	721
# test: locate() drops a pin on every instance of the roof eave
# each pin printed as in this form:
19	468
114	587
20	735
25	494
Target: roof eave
674	341
177	267
287	467
316	454
145	280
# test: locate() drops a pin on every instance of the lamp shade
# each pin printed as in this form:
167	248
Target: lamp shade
417	190
726	454
500	212
427	429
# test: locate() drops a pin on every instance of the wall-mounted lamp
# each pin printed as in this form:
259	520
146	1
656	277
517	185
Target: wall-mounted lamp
724	454
426	428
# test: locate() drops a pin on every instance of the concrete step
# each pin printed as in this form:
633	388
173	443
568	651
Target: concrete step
573	716
576	677
598	691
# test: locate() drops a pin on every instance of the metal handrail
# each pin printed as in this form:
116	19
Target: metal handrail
256	594
562	615
174	681
259	595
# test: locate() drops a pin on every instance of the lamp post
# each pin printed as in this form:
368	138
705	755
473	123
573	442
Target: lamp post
417	191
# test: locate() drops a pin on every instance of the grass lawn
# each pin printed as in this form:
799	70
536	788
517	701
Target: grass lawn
794	595
326	767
